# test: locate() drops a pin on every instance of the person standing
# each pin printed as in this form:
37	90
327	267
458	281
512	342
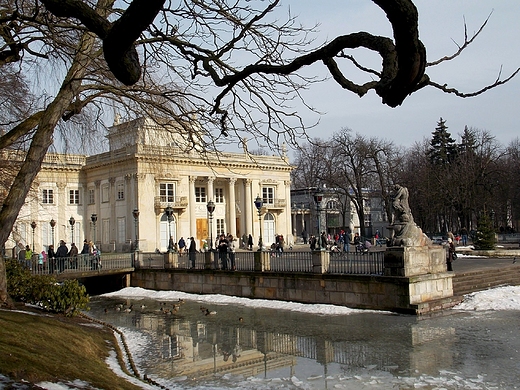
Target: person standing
312	242
61	255
182	245
51	259
28	257
304	237
231	251
250	242
450	254
223	251
73	256
323	241
192	252
85	254
464	236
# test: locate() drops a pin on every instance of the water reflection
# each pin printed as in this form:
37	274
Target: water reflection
181	341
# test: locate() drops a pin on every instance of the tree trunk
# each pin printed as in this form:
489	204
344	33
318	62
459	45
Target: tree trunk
40	143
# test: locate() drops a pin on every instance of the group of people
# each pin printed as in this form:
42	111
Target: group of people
226	250
182	247
62	258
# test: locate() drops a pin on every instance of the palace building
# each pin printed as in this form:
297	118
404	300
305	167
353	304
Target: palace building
148	188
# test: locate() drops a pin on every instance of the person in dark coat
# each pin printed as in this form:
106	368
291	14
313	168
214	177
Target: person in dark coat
223	244
61	255
250	242
450	254
192	251
51	258
73	256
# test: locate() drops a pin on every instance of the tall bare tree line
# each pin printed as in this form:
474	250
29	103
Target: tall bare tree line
481	176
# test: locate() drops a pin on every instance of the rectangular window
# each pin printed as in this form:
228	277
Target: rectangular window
268	195
219	195
105	192
121	230
167	192
91	196
73	196
368	219
220	227
120	191
200	194
48	196
106	231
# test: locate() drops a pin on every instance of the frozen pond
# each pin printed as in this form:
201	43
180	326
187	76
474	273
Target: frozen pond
246	344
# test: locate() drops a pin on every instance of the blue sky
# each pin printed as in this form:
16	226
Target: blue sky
441	22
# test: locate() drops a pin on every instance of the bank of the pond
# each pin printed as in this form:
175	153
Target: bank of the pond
39	348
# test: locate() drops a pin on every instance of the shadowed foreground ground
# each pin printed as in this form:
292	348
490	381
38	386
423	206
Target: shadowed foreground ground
36	347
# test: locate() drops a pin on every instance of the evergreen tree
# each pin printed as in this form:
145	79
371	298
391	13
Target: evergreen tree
485	234
443	149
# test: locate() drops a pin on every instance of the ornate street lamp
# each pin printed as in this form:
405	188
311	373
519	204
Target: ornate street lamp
53	224
135	213
33	225
211	208
168	211
318	198
72	221
93	218
258	204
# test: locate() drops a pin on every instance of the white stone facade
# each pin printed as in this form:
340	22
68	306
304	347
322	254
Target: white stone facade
149	169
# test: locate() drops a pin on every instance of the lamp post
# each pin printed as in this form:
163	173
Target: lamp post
168	211
258	204
33	225
135	213
53	224
318	198
72	221
211	208
93	218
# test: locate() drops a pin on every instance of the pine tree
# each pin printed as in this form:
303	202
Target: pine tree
443	148
485	234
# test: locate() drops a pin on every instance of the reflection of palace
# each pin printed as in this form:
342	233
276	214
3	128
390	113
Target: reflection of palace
148	169
197	349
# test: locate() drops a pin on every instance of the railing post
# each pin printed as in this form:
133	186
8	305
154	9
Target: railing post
320	262
138	260
262	261
171	260
208	259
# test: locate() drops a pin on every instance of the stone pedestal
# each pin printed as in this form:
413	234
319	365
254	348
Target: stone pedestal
424	267
320	262
262	261
171	260
414	260
208	259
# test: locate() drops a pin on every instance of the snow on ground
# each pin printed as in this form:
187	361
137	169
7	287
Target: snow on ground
320	309
500	298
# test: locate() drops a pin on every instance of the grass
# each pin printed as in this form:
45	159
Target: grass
36	347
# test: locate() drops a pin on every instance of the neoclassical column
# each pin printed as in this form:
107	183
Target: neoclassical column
130	205
288	216
211	191
211	196
248	207
61	232
191	205
232	208
113	219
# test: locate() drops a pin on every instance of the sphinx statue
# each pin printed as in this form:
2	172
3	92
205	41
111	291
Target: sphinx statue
405	231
